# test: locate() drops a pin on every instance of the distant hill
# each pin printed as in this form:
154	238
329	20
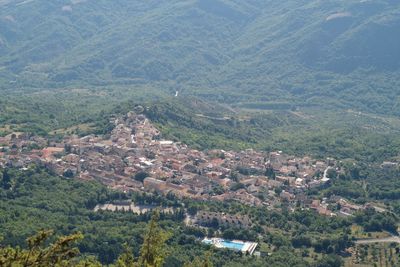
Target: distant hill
332	54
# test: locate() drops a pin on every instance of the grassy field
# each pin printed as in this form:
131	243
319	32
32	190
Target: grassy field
358	232
83	127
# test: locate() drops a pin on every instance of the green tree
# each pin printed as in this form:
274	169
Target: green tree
140	176
200	261
6	180
60	253
331	173
64	252
153	250
229	234
126	259
330	261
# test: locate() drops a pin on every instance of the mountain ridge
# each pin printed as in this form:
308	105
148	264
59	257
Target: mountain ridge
336	54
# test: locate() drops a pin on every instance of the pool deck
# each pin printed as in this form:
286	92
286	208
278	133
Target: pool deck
247	248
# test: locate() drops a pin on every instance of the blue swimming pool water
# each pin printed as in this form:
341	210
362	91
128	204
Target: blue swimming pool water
232	245
227	244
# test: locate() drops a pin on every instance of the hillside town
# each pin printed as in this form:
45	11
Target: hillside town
135	158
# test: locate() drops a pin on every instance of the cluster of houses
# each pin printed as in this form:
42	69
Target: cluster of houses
129	206
135	158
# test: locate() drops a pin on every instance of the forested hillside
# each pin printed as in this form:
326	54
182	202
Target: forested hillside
255	53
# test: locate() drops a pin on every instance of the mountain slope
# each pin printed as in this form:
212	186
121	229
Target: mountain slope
341	54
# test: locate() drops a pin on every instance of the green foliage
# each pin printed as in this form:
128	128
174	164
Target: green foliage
237	186
330	261
313	132
39	200
200	262
333	245
373	221
264	56
153	252
126	259
61	253
140	176
64	253
5	179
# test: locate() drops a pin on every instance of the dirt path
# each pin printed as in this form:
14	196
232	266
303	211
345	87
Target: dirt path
391	239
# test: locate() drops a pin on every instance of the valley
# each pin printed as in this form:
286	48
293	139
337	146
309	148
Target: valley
201	133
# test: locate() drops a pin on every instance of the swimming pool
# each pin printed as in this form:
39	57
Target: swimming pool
232	245
221	243
238	245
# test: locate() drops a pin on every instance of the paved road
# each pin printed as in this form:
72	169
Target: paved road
391	239
326	172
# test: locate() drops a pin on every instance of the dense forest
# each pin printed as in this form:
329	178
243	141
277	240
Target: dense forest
255	53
